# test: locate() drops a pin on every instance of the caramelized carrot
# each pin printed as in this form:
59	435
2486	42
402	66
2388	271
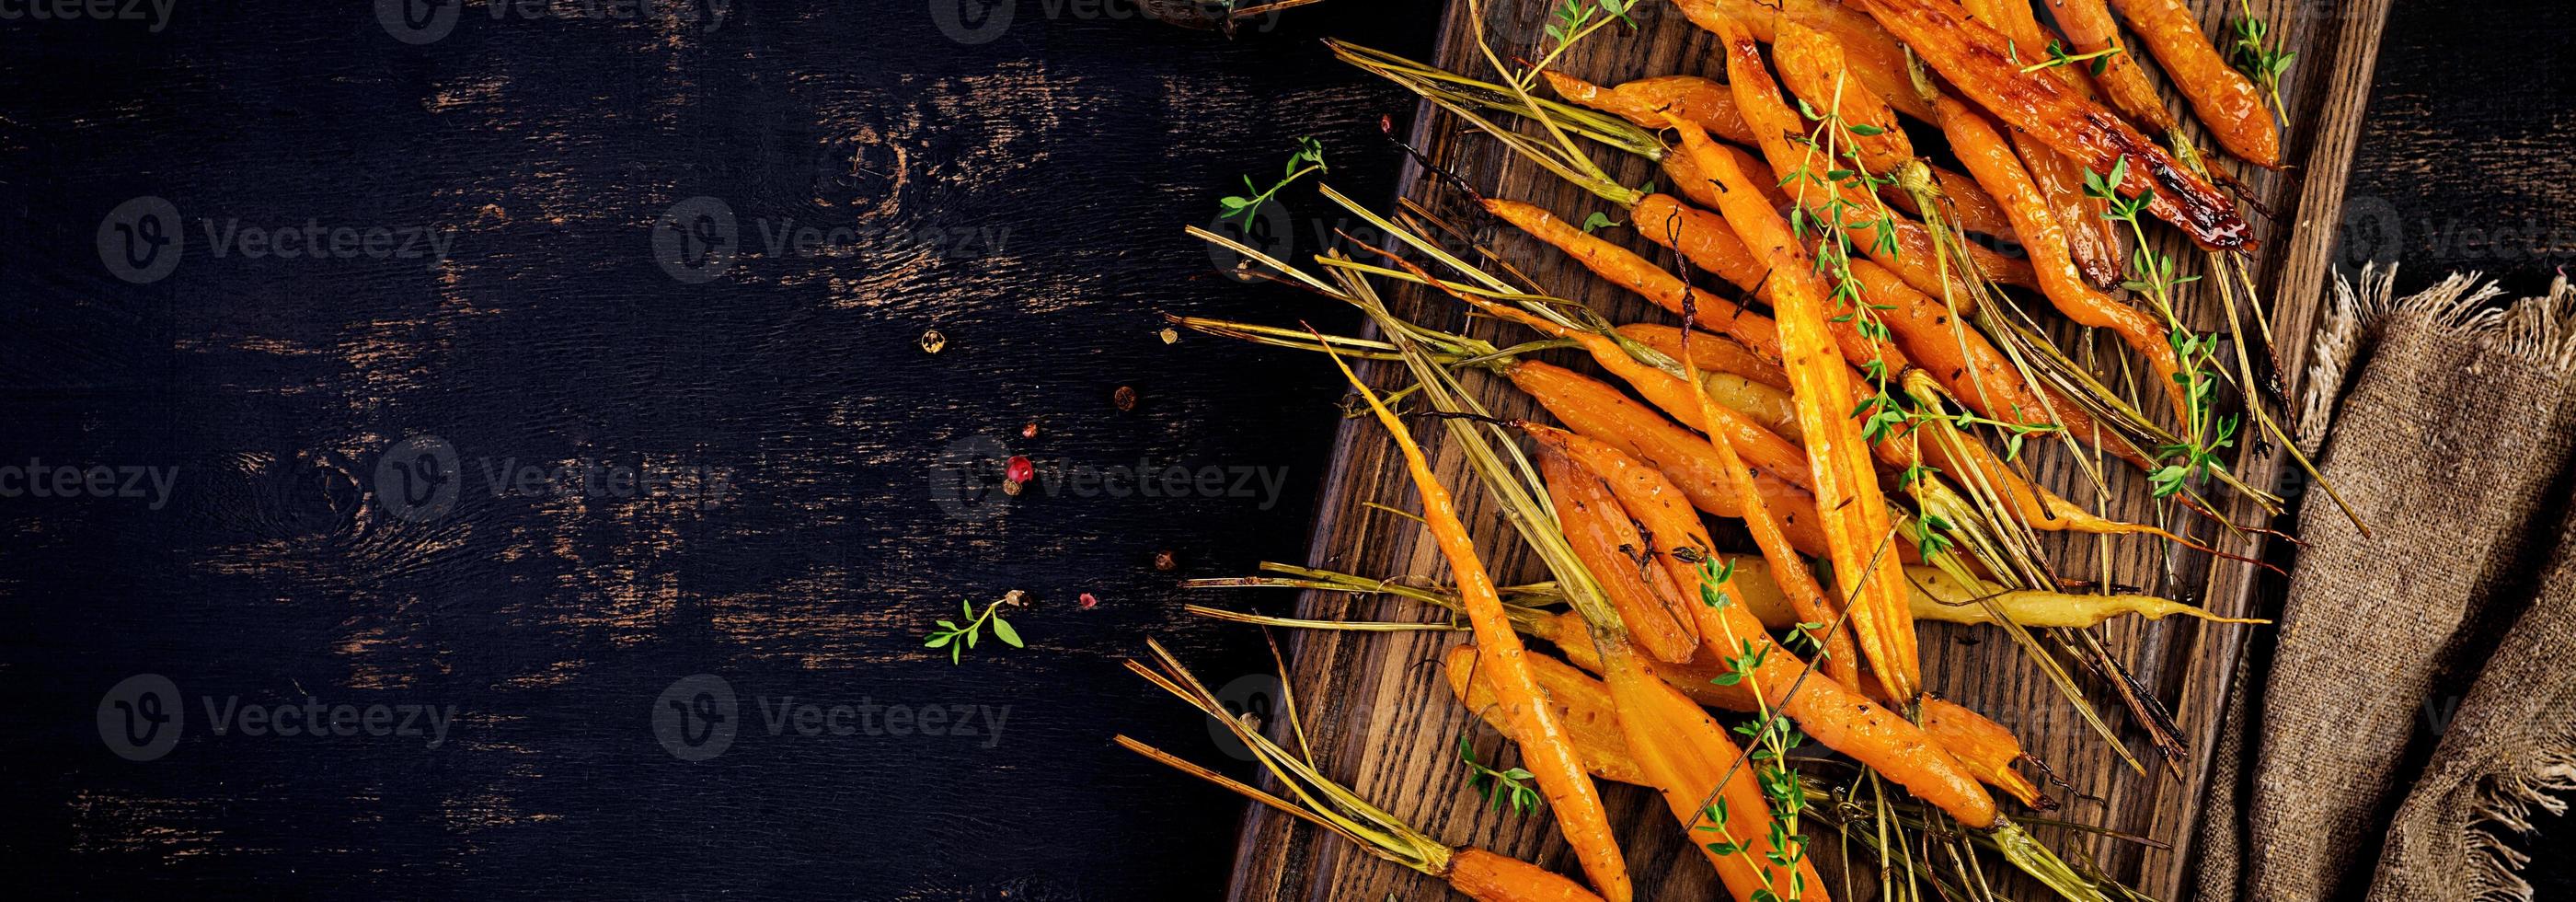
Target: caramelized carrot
1697	100
1676	539
1684	755
1877	61
1984	746
1671	394
1914	250
2092	241
1805	595
2223	98
1581	703
1624	268
1813	68
1977	144
1609	546
2090	29
1974	57
1501	878
1544	750
1591	408
1981	746
1710	352
1858	528
1709	105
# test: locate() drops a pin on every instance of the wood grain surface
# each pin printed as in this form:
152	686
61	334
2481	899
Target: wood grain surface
1390	727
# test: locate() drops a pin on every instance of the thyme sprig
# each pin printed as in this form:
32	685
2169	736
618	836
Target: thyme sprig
1769	739
2194	453
1516	784
1309	157
2058	56
2253	54
958	638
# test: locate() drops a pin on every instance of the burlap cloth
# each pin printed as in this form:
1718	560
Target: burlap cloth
2417	702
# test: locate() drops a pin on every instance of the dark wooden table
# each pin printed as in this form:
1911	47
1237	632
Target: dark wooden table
691	461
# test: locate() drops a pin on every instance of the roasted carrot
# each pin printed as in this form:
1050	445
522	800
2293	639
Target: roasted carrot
1790	573
1571	795
1974	57
2223	98
1591	408
1984	746
1695	99
1671	533
1812	66
1336	809
1711	352
1709	105
1961	604
1501	878
1676	539
1624	268
1684	755
1912	250
1858	529
1978	145
1666	391
2090	29
2091	240
1609	546
1980	745
1582	704
1877	61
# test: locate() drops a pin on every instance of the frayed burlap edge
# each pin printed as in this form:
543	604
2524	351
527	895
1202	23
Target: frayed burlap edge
2505	802
2540	331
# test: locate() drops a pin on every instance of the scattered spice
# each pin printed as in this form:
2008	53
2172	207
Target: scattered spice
932	342
1020	470
1171	336
1124	397
1164	561
1030	430
1089	601
1011	488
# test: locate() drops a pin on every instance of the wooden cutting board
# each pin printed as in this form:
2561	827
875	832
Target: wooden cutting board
1381	719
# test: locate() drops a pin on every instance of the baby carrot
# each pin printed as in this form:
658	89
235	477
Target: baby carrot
1877	61
2090	28
1790	572
2092	241
1976	58
1609	546
1710	352
1593	409
1981	746
1984	746
1571	795
1709	105
1858	528
2224	99
1697	100
1501	878
1977	144
1704	238
1812	66
1666	391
